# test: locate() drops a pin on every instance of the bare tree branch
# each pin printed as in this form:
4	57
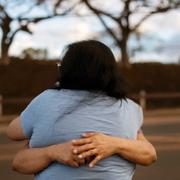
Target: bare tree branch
27	11
99	14
24	21
98	11
22	28
57	4
37	19
109	30
123	19
142	20
157	11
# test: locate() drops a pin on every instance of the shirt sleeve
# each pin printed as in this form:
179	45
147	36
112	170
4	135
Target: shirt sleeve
29	116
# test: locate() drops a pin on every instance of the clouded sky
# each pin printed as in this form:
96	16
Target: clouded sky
54	34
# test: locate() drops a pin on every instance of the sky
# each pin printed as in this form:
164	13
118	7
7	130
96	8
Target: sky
160	37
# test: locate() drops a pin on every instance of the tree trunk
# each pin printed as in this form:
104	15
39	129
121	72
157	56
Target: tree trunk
4	53
5	41
124	53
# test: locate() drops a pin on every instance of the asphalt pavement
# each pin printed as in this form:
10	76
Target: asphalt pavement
161	127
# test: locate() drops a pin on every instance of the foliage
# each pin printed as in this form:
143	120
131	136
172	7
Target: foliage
31	53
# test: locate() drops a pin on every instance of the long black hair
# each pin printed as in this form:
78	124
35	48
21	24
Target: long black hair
90	65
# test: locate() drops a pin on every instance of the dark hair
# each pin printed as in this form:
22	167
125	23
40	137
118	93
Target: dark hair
90	65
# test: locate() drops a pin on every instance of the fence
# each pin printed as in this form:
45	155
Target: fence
142	98
4	101
1	101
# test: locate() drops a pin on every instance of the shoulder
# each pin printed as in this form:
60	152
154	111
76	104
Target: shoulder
52	96
49	93
132	104
137	110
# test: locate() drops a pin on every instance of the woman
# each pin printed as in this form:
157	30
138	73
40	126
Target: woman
86	120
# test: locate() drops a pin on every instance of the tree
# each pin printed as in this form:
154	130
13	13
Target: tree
122	19
18	15
31	53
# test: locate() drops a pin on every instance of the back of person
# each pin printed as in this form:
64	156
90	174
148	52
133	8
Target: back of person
56	116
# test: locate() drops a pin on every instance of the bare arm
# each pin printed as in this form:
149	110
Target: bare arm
14	131
25	160
139	151
32	160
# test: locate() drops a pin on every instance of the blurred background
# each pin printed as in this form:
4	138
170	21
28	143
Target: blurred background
144	36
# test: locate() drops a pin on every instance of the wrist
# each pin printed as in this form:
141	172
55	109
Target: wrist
119	145
51	152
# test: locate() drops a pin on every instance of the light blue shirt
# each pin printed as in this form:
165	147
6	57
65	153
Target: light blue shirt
58	116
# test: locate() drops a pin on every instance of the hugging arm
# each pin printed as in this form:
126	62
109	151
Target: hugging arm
32	160
73	153
139	151
29	161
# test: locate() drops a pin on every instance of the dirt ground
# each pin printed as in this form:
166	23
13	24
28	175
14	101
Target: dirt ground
162	128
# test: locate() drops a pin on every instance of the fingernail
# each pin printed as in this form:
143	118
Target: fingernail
75	151
90	165
80	156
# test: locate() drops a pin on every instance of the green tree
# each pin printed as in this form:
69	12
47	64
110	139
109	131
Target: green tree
31	53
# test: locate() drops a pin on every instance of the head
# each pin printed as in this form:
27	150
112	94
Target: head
90	65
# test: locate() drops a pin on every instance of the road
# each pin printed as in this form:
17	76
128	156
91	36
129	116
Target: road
162	128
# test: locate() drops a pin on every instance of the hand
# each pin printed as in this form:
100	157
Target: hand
63	153
94	144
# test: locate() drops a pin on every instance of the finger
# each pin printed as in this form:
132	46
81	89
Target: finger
81	162
88	153
74	164
80	149
78	142
88	134
95	161
71	162
88	159
78	160
26	144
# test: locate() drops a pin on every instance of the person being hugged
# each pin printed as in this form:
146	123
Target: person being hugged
85	127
